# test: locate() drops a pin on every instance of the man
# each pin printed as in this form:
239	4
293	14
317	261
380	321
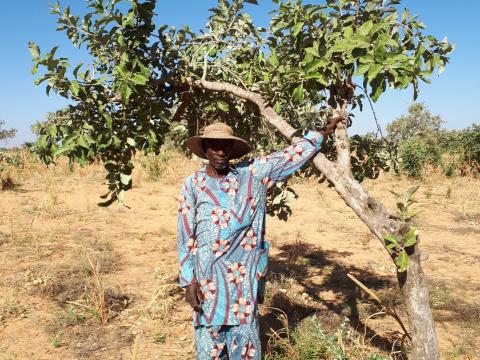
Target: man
221	225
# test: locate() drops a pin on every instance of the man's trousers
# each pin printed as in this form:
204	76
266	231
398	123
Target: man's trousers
239	342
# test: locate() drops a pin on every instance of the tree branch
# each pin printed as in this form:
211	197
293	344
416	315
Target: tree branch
370	211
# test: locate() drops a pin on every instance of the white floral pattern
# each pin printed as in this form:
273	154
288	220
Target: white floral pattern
242	308
220	217
208	288
249	241
293	153
231	186
236	273
220	247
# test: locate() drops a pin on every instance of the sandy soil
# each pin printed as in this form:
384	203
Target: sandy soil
50	226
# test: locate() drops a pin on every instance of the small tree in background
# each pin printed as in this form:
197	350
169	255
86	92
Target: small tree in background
147	81
6	134
416	138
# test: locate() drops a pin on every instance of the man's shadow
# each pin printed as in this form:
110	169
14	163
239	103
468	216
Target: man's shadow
303	262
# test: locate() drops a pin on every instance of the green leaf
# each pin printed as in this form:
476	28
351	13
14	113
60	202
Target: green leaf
83	142
390	238
378	87
273	58
297	28
108	120
374	71
74	87
75	71
365	28
222	105
322	79
313	51
34	50
411	237
402	261
298	93
362	69
125	179
125	92
139	79
411	191
315	65
61	150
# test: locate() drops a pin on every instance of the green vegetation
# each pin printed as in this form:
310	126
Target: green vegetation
147	82
310	341
417	141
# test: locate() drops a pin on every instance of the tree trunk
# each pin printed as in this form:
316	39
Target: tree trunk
371	212
342	144
416	297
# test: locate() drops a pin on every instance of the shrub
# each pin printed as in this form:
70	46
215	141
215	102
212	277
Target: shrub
416	153
470	143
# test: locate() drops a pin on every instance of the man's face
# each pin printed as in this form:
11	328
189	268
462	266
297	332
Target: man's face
218	152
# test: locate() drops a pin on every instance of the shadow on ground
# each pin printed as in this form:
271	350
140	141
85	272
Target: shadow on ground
303	262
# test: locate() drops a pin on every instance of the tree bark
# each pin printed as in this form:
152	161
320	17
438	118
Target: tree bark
415	294
342	144
371	212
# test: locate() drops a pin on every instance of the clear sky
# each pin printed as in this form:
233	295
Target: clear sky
454	95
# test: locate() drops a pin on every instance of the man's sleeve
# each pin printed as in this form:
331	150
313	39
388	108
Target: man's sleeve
282	163
186	242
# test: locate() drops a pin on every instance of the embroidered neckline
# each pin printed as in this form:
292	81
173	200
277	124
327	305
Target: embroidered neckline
224	177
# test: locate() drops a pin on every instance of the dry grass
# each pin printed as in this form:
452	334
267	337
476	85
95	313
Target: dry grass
96	293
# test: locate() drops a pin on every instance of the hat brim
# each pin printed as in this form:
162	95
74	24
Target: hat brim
240	146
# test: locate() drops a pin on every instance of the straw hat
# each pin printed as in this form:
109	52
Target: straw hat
218	130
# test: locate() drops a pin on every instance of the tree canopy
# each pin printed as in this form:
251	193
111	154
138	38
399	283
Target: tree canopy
146	81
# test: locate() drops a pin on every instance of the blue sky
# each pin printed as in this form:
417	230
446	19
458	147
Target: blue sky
454	95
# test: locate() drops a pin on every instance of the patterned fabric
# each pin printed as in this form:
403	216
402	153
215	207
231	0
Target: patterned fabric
239	342
220	232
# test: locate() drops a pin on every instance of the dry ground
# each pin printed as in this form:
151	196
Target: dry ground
68	265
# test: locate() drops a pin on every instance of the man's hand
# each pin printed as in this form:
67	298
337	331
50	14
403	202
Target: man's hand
331	125
194	296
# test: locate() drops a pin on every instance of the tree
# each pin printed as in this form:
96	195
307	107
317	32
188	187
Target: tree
418	122
6	133
146	81
416	136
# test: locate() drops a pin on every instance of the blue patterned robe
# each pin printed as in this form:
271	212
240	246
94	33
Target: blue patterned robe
220	232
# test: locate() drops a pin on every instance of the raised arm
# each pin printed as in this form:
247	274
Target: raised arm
186	242
282	163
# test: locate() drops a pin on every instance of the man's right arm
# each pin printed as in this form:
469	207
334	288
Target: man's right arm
186	244
185	235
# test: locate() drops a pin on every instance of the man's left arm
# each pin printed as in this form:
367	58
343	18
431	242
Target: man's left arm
285	162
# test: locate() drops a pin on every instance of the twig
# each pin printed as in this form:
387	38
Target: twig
135	347
365	325
388	310
379	128
78	304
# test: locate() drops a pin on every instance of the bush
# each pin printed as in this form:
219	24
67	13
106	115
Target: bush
416	153
470	143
